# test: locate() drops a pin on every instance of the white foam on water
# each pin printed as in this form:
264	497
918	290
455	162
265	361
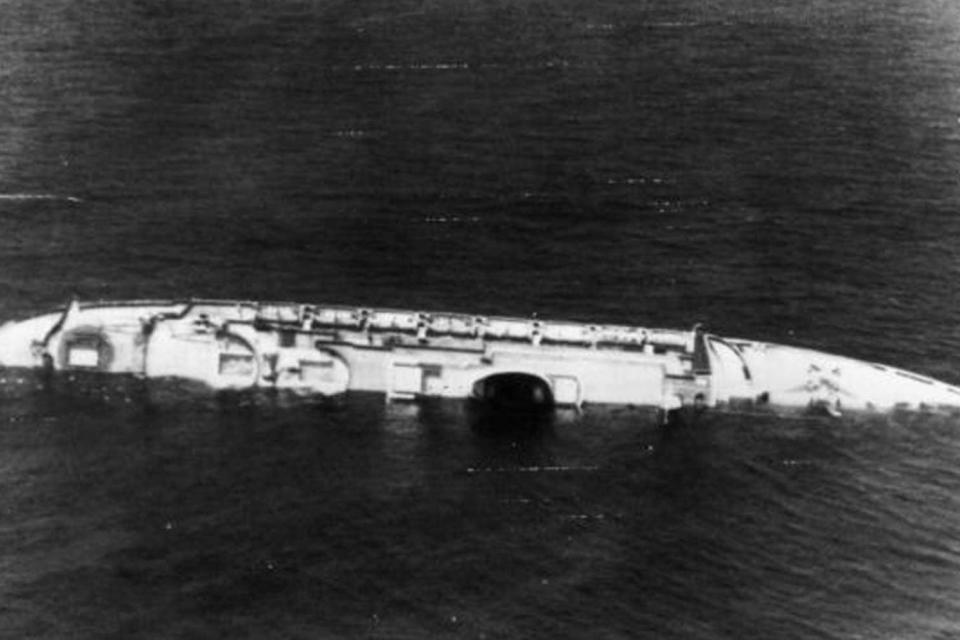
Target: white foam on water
454	66
637	180
603	26
533	469
451	218
37	196
418	66
675	24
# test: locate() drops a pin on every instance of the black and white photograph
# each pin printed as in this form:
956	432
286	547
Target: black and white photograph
480	319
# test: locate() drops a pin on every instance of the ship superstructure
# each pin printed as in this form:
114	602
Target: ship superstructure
328	350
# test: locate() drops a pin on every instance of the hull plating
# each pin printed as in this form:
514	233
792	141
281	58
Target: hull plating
329	350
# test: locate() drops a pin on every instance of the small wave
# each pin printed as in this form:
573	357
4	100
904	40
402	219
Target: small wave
637	180
532	469
37	196
690	203
417	66
447	219
351	133
675	24
383	18
453	66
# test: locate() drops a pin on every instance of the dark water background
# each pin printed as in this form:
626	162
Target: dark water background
781	170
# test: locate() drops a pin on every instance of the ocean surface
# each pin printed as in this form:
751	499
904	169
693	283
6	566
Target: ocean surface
781	170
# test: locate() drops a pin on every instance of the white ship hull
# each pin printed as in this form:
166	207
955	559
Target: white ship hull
330	350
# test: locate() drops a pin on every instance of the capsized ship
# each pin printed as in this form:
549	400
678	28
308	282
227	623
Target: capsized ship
328	350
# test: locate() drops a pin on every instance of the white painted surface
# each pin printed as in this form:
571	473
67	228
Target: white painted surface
83	356
447	362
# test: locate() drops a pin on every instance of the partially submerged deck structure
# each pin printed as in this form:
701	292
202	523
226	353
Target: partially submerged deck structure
327	350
